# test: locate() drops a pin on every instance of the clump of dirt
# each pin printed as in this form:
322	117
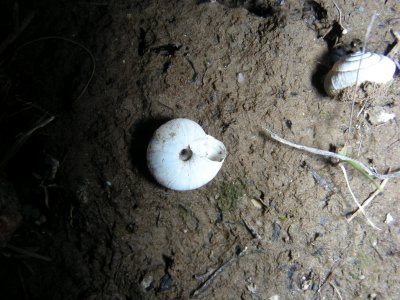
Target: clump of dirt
272	225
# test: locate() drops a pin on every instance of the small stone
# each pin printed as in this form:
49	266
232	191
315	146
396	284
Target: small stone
389	219
378	115
257	204
147	282
165	283
241	78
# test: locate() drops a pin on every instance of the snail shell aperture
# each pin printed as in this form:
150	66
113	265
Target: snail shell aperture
373	68
182	157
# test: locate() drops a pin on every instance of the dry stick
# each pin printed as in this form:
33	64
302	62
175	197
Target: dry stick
355	199
335	288
392	53
358	71
77	44
332	155
368	201
251	230
28	253
206	284
344	30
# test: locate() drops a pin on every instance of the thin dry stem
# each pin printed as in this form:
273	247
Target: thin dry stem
392	53
369	200
335	288
28	253
329	154
355	199
367	34
344	30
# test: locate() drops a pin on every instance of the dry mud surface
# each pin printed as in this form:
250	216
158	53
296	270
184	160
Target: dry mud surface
271	225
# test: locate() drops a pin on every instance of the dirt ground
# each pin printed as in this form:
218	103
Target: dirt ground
81	216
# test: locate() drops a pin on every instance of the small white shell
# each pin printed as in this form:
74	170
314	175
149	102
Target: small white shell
374	68
182	157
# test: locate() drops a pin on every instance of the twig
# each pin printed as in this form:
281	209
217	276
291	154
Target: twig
344	30
204	276
250	228
327	279
329	154
355	199
358	72
396	47
336	290
28	253
368	201
206	284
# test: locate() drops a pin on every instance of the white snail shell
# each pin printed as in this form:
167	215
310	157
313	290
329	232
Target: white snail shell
374	68
182	157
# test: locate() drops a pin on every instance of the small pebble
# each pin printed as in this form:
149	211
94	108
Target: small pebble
241	78
165	283
147	282
389	219
378	115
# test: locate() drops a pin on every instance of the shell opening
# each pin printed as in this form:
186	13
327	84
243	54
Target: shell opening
185	154
219	156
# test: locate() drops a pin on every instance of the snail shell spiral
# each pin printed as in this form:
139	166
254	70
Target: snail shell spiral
181	156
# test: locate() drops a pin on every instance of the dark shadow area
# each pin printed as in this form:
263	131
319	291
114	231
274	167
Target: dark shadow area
315	10
39	81
318	75
327	60
142	132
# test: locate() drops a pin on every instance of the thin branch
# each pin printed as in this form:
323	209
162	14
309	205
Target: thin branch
369	200
367	34
355	199
28	253
329	154
336	290
206	284
344	30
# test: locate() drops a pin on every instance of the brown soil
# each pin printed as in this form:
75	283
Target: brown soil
271	225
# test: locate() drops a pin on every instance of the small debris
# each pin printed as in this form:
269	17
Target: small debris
251	229
165	283
321	181
147	283
251	286
166	50
257	204
378	115
274	297
306	283
276	231
204	276
210	279
323	220
241	78
389	219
